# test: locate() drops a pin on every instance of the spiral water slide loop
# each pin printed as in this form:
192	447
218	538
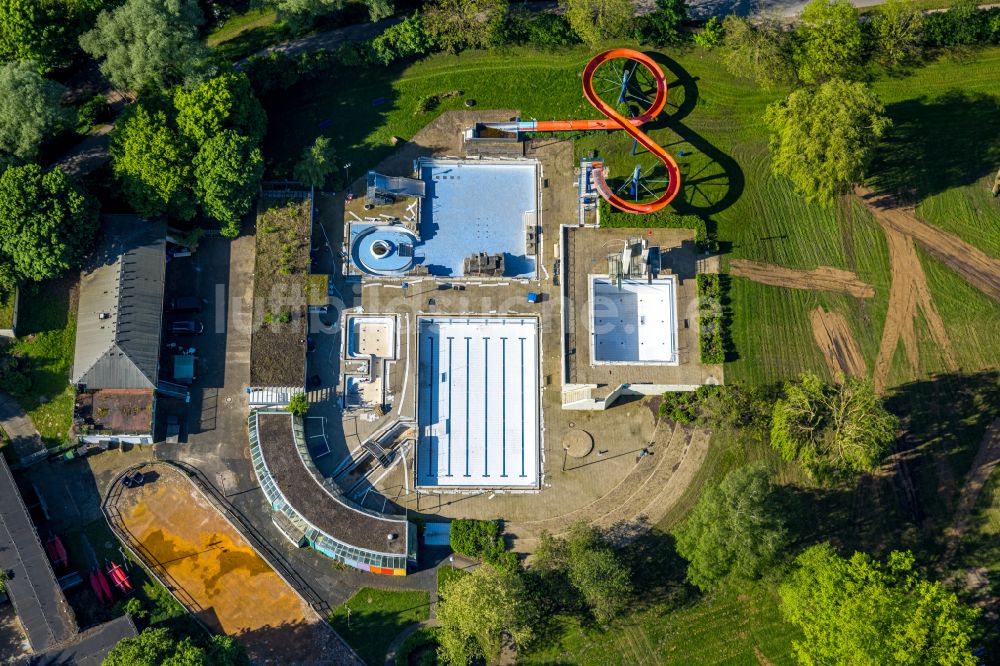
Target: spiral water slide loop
614	120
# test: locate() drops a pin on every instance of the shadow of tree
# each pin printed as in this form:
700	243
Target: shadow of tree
938	143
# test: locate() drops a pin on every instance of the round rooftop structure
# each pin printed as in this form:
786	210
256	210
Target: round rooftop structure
384	250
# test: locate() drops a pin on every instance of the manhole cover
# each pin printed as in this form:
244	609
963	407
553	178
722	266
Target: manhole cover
578	443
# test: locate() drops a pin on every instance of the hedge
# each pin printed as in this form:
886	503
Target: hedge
611	217
710	320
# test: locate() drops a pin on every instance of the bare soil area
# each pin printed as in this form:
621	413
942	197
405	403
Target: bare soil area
907	292
975	266
840	349
823	278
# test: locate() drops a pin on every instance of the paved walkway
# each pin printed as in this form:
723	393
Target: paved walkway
23	436
330	39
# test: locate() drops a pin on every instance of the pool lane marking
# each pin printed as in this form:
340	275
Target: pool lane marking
503	407
450	339
486	407
430	408
468	388
522	408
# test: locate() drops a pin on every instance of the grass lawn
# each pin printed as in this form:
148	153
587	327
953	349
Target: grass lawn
376	617
952	144
244	34
46	335
726	627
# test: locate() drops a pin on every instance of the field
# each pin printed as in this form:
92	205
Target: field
376	617
46	336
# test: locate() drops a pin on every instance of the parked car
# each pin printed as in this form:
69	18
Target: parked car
185	304
187	326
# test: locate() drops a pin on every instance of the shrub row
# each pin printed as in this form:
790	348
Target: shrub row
963	25
611	217
710	321
481	539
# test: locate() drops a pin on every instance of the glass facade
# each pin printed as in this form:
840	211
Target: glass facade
359	558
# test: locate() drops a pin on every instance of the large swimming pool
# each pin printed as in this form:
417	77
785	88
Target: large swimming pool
475	207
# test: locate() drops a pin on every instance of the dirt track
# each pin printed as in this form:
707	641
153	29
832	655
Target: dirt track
823	278
986	459
975	266
833	335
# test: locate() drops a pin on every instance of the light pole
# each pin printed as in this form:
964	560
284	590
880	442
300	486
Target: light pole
347	168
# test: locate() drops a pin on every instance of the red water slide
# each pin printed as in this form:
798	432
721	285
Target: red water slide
614	120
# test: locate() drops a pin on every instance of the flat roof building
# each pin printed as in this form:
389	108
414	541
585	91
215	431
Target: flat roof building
633	321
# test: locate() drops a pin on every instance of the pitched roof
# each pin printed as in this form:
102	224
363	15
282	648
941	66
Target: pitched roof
121	306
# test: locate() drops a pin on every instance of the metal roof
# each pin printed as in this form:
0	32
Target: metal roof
38	600
121	306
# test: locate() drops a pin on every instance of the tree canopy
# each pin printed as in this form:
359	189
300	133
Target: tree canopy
596	21
157	647
663	25
227	172
828	41
861	612
47	222
30	111
149	43
318	163
153	162
476	613
220	103
36	30
301	14
590	565
897	32
823	138
734	531
832	430
464	24
760	52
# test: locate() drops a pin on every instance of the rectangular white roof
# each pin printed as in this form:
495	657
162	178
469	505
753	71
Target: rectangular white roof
634	323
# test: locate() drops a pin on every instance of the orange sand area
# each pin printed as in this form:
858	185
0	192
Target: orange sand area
203	554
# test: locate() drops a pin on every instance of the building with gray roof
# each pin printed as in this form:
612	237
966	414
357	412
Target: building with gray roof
121	313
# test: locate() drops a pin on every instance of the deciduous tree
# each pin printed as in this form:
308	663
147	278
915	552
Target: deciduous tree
588	562
318	163
833	431
220	103
30	111
596	21
760	52
36	30
823	138
153	162
828	41
227	172
477	612
301	14
464	24
149	42
897	31
47	222
663	25
860	611
734	532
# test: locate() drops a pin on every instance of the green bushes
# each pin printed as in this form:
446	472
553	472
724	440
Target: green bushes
611	217
710	319
963	25
481	539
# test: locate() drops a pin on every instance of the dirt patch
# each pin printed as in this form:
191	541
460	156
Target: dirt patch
975	266
833	335
986	459
215	572
761	659
823	278
643	497
907	292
